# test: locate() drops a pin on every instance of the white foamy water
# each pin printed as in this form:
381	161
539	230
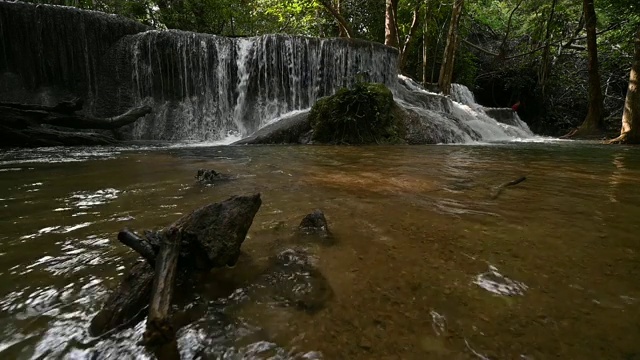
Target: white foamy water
499	284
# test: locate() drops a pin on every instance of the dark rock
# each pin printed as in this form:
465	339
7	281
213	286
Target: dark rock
214	233
422	127
363	114
315	223
210	177
297	282
294	129
503	115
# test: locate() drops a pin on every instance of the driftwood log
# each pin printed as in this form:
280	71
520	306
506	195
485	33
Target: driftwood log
31	125
208	237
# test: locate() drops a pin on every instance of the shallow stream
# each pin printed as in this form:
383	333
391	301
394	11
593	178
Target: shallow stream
427	263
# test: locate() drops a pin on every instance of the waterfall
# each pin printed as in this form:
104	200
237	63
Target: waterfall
205	87
458	118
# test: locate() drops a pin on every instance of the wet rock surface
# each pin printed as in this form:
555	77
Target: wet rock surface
212	177
294	129
315	223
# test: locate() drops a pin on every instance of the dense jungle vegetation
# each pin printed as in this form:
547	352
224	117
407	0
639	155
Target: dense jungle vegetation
567	62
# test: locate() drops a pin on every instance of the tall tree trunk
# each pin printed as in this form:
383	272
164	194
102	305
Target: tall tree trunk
390	28
630	133
342	29
593	124
446	69
415	24
544	73
425	41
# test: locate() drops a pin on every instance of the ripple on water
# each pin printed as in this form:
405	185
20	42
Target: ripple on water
499	284
88	199
56	230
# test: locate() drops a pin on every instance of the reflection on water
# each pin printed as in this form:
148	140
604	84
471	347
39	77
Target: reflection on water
425	263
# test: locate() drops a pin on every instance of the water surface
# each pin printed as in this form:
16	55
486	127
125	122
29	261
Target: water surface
425	265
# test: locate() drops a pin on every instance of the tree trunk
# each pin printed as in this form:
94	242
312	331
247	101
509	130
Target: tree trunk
630	133
544	73
341	29
415	24
390	27
342	22
425	40
593	124
446	69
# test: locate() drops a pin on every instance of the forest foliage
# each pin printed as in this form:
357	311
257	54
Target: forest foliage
508	50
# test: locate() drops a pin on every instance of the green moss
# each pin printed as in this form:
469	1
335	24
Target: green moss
364	114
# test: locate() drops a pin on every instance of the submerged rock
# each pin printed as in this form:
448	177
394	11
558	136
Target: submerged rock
210	177
315	223
296	281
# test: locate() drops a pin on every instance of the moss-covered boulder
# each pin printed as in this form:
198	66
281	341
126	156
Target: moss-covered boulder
363	114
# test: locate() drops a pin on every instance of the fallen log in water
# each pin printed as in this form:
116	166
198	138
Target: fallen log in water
208	237
26	124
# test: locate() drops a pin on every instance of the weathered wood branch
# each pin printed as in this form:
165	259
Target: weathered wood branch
159	329
90	122
508	31
208	237
140	245
126	302
21	124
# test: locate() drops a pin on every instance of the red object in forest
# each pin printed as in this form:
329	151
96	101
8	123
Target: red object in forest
516	106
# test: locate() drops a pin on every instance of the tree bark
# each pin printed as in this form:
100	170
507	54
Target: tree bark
341	29
140	245
425	41
415	24
544	73
630	132
390	27
446	69
127	303
503	44
593	124
159	329
339	18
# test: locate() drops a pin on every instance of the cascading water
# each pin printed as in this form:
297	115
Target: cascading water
459	118
205	87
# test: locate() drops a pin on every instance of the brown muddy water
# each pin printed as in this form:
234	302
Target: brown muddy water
425	264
